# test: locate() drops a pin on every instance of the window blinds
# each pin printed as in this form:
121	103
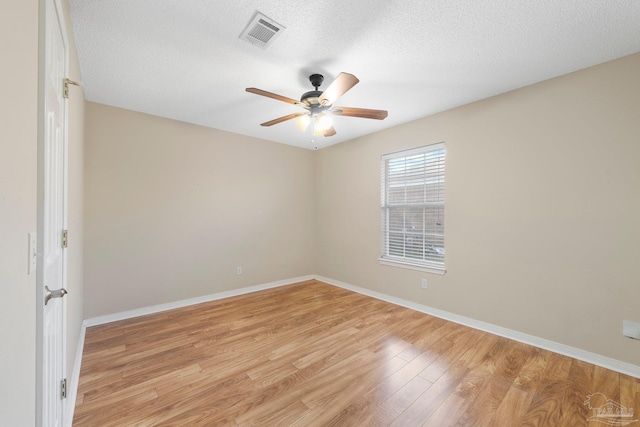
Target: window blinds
412	214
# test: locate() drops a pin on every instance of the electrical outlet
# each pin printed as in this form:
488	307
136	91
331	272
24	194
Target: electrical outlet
238	270
631	329
424	283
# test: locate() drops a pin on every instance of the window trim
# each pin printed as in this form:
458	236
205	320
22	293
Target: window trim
411	266
390	260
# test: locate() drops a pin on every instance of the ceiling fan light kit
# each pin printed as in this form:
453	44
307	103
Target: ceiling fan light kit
319	103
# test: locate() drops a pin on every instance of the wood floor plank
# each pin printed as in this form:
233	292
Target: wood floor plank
201	395
126	387
510	368
482	364
546	405
343	405
459	344
316	381
402	399
531	375
574	411
512	408
311	386
448	412
630	394
427	403
311	354
481	411
606	382
104	412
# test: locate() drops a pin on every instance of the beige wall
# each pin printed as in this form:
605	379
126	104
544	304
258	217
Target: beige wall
542	210
18	180
172	209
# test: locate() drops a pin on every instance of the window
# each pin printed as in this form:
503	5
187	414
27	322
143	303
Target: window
412	214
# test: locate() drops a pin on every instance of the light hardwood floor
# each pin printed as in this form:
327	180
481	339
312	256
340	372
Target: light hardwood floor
312	354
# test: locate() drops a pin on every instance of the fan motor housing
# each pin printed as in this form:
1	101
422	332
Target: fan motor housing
310	98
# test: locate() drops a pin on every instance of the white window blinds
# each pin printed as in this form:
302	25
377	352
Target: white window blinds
413	207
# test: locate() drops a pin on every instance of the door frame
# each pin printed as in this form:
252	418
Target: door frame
46	7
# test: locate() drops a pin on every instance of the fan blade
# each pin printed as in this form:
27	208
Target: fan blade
330	132
282	119
273	95
337	88
360	112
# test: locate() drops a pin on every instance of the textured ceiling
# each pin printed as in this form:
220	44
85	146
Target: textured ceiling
183	59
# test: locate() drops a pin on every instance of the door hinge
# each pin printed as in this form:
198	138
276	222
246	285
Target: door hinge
65	239
63	389
68	82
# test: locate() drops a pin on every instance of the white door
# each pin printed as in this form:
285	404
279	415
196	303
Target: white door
53	217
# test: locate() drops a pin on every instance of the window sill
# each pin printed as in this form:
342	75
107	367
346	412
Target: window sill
409	266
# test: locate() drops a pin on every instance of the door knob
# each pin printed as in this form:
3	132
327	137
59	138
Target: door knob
58	293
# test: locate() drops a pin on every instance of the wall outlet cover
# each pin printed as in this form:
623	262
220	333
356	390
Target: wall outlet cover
631	329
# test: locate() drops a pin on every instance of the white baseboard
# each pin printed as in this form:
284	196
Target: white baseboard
94	321
72	383
576	353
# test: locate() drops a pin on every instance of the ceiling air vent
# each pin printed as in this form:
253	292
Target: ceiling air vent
261	31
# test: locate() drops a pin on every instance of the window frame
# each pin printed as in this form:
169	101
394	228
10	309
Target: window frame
428	237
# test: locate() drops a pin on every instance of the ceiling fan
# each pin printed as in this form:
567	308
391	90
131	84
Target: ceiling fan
319	103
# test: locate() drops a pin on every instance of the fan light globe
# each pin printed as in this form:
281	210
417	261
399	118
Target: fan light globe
303	122
322	123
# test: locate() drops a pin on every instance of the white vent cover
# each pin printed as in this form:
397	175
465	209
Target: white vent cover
261	31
